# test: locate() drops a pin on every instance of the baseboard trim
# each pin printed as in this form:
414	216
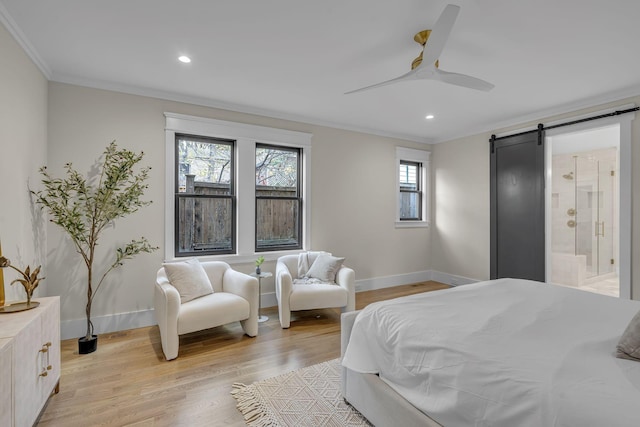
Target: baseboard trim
138	319
391	281
451	279
77	328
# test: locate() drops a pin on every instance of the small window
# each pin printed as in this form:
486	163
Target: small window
204	196
278	198
410	191
412	169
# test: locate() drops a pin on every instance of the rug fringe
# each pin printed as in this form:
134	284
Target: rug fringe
254	412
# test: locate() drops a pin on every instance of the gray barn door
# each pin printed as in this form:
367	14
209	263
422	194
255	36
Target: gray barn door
517	207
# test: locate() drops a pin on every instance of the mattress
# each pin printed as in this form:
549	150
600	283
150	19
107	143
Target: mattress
506	353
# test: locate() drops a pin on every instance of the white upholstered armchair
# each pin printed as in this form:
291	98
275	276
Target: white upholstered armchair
232	297
308	296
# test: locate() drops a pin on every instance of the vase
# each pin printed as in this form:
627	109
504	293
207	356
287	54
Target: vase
258	270
86	346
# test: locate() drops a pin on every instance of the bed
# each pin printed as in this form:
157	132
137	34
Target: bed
500	353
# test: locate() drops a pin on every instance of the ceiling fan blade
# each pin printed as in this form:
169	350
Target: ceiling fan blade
428	67
440	34
462	80
407	76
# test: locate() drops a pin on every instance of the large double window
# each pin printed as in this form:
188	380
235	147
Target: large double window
235	189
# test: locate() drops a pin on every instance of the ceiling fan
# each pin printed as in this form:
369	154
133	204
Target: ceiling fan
425	66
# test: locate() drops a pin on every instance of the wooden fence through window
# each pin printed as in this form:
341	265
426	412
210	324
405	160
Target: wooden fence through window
205	223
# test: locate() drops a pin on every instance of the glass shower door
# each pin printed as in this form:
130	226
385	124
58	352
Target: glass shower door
604	229
594	192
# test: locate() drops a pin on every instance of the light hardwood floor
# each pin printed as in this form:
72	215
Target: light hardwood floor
127	381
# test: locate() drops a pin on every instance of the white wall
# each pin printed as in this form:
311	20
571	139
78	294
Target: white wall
23	149
354	204
353	199
461	238
460	232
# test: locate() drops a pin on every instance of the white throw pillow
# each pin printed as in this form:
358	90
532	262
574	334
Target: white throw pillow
189	278
325	268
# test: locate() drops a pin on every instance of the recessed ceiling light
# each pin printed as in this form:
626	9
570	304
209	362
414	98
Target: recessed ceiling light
184	59
429	116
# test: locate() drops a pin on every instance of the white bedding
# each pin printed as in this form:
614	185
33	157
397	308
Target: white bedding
504	353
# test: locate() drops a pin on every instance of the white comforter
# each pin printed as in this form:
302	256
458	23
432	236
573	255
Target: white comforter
504	353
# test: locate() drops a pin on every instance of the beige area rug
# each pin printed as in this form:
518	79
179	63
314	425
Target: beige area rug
310	397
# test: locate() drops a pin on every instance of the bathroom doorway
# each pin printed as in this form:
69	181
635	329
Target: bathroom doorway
584	209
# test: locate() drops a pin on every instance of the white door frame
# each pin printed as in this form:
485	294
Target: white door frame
624	156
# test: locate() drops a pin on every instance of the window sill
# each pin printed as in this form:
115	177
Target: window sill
232	259
412	224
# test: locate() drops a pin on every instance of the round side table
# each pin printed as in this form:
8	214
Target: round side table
262	275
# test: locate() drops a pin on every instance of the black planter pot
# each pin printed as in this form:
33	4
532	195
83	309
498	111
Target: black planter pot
86	346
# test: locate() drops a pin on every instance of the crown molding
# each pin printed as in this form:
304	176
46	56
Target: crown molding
213	103
595	101
23	41
585	103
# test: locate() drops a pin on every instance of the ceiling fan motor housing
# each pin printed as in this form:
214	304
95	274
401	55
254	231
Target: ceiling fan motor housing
421	38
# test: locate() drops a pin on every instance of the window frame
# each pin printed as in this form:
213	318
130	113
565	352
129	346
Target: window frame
298	198
178	196
421	157
246	137
418	190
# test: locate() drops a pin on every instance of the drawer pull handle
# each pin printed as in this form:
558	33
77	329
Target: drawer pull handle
48	352
45	349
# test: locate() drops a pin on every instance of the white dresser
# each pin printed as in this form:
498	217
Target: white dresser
29	361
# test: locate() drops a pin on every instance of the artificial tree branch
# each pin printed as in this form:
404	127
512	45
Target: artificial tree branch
132	249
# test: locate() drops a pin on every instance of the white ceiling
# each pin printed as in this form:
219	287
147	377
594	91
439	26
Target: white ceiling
295	59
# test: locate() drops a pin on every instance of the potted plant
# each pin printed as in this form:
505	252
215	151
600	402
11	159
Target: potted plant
259	262
86	207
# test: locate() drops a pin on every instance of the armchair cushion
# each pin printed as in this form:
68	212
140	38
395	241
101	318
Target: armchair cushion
189	278
199	313
320	295
325	268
